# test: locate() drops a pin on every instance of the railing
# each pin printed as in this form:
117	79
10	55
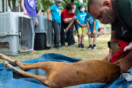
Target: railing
7	6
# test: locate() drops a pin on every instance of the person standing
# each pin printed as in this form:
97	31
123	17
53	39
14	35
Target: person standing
39	7
76	4
92	31
56	21
28	7
67	16
81	25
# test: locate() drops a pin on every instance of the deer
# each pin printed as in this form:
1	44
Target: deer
60	74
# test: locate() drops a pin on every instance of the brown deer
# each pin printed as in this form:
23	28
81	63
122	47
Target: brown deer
61	74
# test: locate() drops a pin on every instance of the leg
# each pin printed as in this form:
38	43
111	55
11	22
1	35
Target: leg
21	65
54	34
34	22
83	34
82	39
56	27
40	65
24	66
72	37
62	35
94	41
69	36
37	77
80	36
90	41
94	38
4	57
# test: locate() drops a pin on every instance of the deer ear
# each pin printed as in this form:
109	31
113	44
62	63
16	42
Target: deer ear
109	46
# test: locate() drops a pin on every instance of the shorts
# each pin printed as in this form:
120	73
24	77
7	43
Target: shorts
82	31
93	35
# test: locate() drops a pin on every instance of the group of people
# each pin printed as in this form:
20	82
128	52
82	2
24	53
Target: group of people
63	24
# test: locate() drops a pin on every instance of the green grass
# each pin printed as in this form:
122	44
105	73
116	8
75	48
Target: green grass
74	52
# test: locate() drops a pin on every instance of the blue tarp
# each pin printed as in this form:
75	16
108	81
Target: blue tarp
10	79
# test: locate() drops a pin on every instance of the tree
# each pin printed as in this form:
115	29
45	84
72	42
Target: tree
47	3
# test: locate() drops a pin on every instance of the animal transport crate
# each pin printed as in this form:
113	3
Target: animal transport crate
16	33
43	34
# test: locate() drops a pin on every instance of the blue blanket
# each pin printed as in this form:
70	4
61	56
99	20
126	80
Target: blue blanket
10	79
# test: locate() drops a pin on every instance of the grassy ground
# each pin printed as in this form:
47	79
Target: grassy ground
74	52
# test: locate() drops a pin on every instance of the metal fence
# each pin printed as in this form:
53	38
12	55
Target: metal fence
7	6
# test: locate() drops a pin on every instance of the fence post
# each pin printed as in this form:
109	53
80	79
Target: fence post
4	5
1	10
11	5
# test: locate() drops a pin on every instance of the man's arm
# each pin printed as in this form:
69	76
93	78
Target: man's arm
48	13
69	26
23	7
80	24
94	27
89	32
39	8
125	63
88	26
39	12
69	20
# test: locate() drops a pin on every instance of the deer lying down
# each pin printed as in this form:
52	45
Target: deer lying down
61	74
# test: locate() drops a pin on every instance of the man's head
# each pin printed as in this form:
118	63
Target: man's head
81	7
58	2
70	8
72	1
102	10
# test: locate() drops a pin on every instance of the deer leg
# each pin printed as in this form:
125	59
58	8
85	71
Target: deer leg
42	79
24	66
40	65
4	57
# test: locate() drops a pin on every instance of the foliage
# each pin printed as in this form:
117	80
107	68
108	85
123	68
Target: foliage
64	2
47	3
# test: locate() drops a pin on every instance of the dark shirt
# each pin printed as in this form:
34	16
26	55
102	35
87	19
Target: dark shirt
123	31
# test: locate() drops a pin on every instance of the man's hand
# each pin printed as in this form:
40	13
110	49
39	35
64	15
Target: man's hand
83	26
74	17
25	12
66	30
124	65
36	24
50	20
94	32
89	33
108	58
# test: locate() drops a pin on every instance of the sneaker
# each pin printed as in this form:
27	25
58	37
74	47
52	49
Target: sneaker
82	46
90	47
71	45
79	46
94	47
58	47
62	46
33	51
55	47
